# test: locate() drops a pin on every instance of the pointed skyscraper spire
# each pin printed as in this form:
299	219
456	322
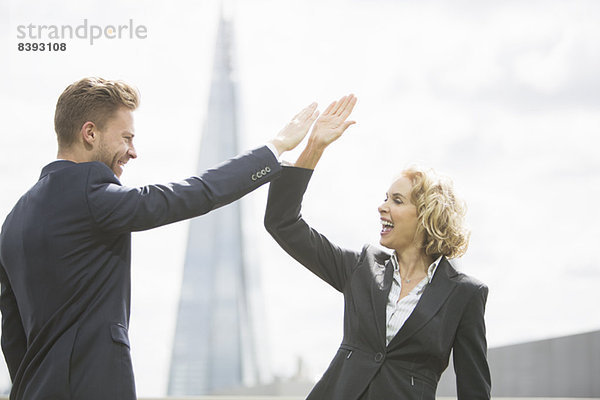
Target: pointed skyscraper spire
214	347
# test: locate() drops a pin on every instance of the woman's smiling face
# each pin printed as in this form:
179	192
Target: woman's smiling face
398	216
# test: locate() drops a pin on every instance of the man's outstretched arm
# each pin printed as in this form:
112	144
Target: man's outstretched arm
121	209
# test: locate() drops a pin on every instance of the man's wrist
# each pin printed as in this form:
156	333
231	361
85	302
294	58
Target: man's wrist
278	146
274	150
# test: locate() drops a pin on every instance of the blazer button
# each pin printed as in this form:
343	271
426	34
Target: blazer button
378	357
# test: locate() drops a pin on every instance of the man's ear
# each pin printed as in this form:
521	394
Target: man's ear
89	133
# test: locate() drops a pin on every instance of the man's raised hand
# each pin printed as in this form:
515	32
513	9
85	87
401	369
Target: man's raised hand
293	133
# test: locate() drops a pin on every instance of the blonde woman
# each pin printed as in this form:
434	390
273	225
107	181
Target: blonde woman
404	312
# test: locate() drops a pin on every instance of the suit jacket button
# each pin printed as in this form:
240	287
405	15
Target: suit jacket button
378	357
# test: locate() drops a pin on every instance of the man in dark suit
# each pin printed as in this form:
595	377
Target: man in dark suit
65	247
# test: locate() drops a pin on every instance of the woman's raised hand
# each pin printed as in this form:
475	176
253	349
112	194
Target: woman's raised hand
328	128
332	122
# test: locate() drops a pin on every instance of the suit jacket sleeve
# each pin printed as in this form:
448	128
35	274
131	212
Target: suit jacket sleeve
284	222
116	208
14	341
473	380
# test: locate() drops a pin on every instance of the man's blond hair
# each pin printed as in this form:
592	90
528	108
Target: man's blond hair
90	99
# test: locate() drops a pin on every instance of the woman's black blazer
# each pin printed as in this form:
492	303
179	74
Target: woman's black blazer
449	316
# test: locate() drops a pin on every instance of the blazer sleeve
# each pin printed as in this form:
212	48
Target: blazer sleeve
473	381
117	208
284	222
14	341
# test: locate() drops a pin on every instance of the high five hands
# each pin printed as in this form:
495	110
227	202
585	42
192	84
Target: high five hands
327	128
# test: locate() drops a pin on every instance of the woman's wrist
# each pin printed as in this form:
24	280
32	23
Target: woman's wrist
311	154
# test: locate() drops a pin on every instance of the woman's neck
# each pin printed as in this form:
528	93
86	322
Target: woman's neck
413	262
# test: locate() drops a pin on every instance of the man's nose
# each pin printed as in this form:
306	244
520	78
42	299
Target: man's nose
132	153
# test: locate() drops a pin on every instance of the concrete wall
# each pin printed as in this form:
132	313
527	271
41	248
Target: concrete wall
561	367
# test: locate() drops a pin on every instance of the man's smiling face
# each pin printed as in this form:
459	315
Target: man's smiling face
115	146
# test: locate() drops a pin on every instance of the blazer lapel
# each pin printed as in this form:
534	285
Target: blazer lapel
380	291
432	299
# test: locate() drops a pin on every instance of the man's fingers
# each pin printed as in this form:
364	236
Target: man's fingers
309	110
306	111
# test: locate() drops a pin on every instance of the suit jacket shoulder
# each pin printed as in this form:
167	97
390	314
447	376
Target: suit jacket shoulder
372	254
468	281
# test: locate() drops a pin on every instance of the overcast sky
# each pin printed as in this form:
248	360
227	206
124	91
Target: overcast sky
502	96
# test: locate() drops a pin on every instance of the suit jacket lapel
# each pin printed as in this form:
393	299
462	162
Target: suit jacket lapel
432	299
380	291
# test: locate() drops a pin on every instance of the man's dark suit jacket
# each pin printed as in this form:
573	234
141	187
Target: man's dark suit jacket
449	315
65	270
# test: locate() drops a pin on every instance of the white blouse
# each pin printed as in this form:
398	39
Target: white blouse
398	311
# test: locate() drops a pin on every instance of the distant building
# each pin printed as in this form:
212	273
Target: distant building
215	346
567	366
298	385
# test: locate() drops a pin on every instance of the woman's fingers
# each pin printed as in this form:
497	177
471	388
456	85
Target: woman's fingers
342	107
348	107
338	105
329	108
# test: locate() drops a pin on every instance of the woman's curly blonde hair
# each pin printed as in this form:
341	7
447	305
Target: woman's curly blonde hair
440	213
